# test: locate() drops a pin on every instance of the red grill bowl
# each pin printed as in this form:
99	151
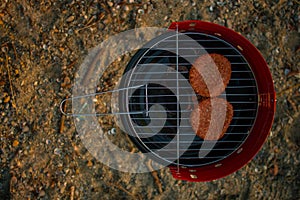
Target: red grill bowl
265	111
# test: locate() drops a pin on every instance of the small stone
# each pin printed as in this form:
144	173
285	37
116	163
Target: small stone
13	180
113	131
57	151
110	4
63	188
70	31
15	143
70	19
89	163
19	164
123	15
141	11
23	175
126	8
42	193
185	3
276	169
76	149
25	129
286	71
7	99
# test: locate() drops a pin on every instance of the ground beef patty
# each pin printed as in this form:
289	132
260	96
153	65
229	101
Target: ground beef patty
204	66
202	117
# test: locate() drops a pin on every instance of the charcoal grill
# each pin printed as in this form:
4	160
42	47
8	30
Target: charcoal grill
250	91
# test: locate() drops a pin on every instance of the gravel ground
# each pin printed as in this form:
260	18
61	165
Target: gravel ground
43	44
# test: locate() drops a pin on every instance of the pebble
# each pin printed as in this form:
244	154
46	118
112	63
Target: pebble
110	4
7	99
286	71
112	131
126	8
42	193
15	143
63	188
13	180
185	3
25	129
123	15
89	163
76	149
70	32
57	151
23	175
141	11
70	19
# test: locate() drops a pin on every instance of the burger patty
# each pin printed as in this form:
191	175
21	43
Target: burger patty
210	74
211	124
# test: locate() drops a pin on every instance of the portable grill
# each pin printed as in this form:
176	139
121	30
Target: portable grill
155	129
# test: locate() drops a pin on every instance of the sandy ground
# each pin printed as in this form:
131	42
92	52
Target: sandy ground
43	43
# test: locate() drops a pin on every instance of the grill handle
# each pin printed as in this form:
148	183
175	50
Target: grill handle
62	106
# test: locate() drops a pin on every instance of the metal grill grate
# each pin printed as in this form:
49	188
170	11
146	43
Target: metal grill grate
172	50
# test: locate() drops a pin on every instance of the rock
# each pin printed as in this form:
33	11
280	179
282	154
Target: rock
110	4
7	99
70	19
25	129
286	71
15	143
13	180
57	151
48	141
42	193
89	163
